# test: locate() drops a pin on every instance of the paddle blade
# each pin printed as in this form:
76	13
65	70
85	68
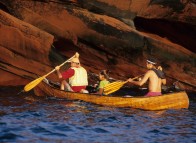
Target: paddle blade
112	87
111	91
32	84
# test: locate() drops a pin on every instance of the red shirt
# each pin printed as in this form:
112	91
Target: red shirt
69	73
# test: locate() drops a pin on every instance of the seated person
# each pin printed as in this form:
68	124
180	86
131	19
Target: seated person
155	76
103	77
77	76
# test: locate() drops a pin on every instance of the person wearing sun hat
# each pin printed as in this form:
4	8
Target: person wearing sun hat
77	76
154	75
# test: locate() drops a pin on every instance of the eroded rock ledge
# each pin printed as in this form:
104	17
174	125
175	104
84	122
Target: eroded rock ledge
37	35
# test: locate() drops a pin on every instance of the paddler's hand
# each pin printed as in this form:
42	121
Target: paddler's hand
57	68
130	80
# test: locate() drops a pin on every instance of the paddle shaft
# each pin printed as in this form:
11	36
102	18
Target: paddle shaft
59	66
134	78
35	82
109	86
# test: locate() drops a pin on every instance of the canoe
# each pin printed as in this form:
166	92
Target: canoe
176	100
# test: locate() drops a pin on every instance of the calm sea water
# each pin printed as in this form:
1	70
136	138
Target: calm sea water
27	118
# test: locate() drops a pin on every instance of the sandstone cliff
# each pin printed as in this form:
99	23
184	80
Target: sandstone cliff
108	34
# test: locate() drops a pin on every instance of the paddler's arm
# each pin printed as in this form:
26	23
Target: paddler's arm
163	81
142	81
100	91
57	68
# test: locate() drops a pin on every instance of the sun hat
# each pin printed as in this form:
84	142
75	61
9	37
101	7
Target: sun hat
75	60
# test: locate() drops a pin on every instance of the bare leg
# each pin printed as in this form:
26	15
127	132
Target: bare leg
62	86
65	86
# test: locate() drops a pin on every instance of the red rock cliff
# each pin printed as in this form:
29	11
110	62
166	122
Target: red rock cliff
107	34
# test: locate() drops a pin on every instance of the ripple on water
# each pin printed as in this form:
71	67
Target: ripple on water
63	128
100	130
9	137
47	132
109	119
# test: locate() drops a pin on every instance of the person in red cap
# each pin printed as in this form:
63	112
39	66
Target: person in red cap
77	76
155	76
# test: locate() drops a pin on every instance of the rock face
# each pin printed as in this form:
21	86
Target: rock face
20	45
108	34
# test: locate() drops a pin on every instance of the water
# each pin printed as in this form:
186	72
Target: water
27	118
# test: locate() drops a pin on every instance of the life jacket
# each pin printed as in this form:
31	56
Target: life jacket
79	78
159	73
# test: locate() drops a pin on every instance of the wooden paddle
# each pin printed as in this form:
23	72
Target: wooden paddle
114	86
34	83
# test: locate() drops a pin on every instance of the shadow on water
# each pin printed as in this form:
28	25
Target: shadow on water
28	118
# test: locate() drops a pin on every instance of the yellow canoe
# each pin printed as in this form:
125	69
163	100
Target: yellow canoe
177	100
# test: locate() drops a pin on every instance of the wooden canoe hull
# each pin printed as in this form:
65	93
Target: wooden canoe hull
177	100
